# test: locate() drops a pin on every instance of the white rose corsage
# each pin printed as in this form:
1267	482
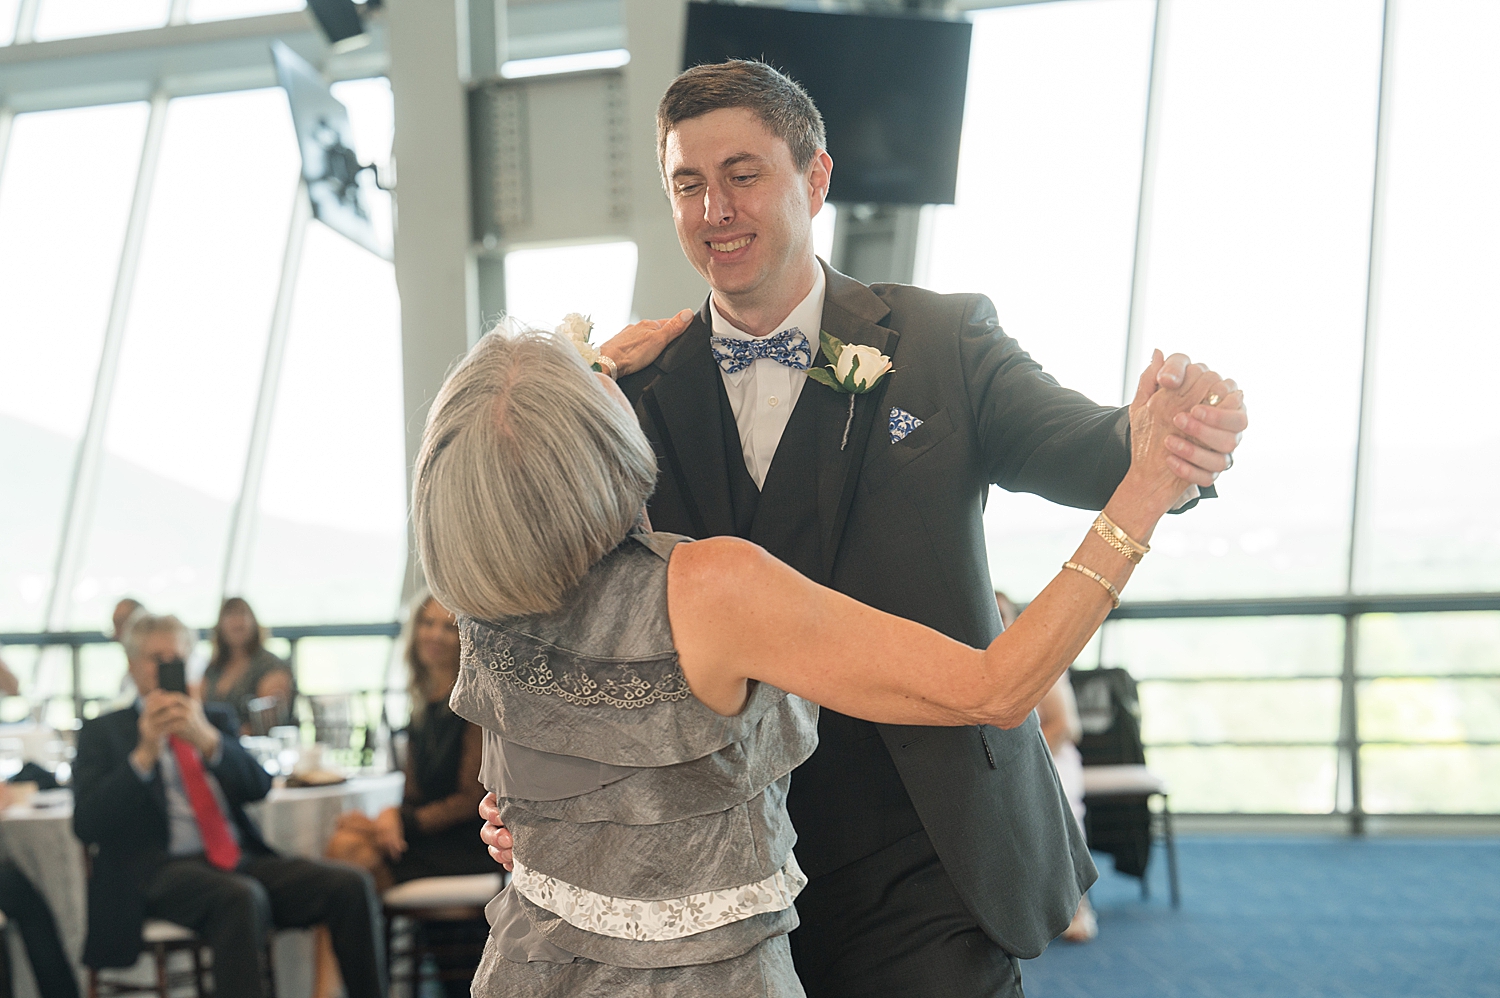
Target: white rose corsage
854	370
576	329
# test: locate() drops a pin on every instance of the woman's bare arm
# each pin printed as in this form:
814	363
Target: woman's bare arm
739	614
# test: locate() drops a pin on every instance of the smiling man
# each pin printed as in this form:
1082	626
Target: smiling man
936	856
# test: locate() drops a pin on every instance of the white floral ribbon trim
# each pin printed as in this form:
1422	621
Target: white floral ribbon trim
658	921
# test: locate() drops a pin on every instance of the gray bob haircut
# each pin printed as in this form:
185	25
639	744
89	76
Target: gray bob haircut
529	473
143	624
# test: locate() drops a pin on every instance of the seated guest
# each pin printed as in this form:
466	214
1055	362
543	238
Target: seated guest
9	684
159	793
242	670
1062	728
126	608
434	833
24	905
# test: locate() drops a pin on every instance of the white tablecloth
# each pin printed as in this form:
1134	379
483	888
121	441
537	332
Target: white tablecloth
39	839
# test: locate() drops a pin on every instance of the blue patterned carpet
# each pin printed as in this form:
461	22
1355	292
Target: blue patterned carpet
1293	918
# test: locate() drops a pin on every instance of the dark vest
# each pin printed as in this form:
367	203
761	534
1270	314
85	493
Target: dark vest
851	774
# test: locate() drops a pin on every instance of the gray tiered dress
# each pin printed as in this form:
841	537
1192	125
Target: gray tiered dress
653	848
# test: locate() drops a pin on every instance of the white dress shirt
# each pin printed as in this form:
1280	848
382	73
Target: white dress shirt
764	394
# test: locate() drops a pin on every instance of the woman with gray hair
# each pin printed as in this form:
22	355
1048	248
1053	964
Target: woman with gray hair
645	698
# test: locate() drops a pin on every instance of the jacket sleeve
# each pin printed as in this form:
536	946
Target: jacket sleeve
109	800
1033	434
240	776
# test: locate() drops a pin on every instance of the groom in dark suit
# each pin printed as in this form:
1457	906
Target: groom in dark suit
936	856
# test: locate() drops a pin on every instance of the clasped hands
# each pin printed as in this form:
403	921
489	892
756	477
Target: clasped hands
386	829
167	713
1204	434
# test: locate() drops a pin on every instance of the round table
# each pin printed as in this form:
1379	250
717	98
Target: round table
38	837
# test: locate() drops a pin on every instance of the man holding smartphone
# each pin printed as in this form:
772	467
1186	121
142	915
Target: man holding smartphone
159	794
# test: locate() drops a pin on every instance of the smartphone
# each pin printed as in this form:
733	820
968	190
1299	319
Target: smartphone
171	676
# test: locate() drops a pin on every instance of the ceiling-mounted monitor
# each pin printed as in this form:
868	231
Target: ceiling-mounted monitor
338	183
890	88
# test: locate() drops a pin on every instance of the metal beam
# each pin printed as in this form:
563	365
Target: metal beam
26	21
78	514
247	507
1145	203
1309	606
176	60
1374	275
7	119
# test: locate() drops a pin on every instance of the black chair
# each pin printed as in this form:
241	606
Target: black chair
432	917
1117	785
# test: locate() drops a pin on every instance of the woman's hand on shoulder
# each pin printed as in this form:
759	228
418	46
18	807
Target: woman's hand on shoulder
638	345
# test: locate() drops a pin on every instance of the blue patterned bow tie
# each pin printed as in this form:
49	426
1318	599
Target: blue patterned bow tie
789	348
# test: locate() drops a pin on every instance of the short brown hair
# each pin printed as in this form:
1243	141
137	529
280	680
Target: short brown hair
778	100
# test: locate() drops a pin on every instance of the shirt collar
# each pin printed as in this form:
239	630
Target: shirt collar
807	316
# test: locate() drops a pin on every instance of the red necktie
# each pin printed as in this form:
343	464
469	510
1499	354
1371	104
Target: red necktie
219	847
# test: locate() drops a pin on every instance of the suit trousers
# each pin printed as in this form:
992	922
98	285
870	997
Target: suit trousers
892	925
26	907
233	912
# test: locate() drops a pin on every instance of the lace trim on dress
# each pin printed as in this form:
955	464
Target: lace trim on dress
659	921
611	684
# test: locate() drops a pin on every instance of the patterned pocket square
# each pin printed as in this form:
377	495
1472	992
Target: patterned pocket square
902	423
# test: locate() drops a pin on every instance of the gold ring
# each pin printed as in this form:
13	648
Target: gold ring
1212	399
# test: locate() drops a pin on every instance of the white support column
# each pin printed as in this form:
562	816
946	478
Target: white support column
1135	332
7	120
1374	289
247	507
78	516
26	21
1349	787
434	264
664	281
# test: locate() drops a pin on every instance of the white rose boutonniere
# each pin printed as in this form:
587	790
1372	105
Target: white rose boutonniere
854	369
576	329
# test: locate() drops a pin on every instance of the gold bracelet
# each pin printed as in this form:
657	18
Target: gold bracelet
1114	594
1132	549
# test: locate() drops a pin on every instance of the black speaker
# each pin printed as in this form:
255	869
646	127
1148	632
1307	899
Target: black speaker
339	20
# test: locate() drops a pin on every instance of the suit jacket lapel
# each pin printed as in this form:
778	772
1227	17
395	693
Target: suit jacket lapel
851	312
683	403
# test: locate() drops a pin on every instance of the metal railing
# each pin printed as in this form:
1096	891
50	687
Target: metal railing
76	641
1350	608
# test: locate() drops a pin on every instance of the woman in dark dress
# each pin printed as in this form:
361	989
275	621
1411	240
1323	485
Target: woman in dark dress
242	670
435	831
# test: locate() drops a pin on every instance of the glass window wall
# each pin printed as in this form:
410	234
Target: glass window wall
65	197
1430	523
192	357
72	18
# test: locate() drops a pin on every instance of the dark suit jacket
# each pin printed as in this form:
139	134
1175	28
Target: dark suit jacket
124	821
900	528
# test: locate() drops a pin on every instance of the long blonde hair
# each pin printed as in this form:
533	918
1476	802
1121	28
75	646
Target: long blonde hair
418	675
